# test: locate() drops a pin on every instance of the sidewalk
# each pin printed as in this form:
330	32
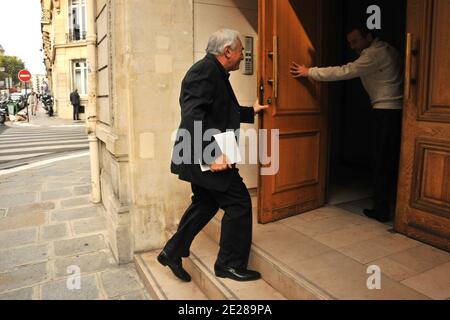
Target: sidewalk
48	229
43	120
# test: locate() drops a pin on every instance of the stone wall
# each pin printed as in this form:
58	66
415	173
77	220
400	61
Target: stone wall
140	67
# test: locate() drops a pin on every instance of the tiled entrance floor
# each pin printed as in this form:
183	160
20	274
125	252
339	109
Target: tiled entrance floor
333	248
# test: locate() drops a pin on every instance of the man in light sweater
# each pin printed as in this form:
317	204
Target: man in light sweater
33	102
380	69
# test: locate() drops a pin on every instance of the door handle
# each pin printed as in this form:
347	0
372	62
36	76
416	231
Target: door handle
261	92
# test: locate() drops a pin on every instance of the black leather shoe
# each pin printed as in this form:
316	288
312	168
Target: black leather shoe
176	267
236	274
372	214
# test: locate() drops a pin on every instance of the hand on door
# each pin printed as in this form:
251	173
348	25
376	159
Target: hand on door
299	71
258	108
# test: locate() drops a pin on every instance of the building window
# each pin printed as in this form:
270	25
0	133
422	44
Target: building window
77	20
80	76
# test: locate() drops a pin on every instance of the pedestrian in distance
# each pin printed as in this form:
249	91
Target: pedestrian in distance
75	101
33	102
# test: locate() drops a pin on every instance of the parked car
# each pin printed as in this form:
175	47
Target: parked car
16	96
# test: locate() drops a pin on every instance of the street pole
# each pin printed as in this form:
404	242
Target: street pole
26	101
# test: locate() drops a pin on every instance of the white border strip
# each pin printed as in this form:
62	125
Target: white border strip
68	126
42	163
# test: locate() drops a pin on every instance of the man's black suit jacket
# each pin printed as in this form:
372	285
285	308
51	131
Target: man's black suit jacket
206	96
74	98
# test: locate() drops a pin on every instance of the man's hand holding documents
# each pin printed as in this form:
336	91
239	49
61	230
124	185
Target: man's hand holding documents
230	153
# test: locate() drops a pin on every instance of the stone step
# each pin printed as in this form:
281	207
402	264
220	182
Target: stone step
274	272
161	283
201	267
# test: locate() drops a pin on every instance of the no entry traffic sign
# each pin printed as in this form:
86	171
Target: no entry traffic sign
24	75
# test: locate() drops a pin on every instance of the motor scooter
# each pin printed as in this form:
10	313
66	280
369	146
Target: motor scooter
47	104
3	112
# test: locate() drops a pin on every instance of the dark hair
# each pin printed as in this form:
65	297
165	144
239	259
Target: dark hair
362	28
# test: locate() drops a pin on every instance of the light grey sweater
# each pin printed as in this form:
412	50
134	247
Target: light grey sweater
380	70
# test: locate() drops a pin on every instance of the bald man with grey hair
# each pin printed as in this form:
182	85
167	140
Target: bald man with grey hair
207	98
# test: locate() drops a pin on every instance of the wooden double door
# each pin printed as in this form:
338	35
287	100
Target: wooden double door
304	31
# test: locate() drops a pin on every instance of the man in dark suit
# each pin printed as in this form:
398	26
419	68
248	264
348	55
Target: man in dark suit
207	100
75	101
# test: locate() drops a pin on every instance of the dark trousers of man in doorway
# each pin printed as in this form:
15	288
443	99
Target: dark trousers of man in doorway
387	137
236	233
76	112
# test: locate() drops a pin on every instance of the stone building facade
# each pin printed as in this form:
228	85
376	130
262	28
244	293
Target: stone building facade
64	32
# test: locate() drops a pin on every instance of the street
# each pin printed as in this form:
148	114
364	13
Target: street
49	228
44	138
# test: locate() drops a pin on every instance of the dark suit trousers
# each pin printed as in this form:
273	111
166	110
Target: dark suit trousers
387	130
76	112
236	232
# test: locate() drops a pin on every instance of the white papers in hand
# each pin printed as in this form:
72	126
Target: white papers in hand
228	145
